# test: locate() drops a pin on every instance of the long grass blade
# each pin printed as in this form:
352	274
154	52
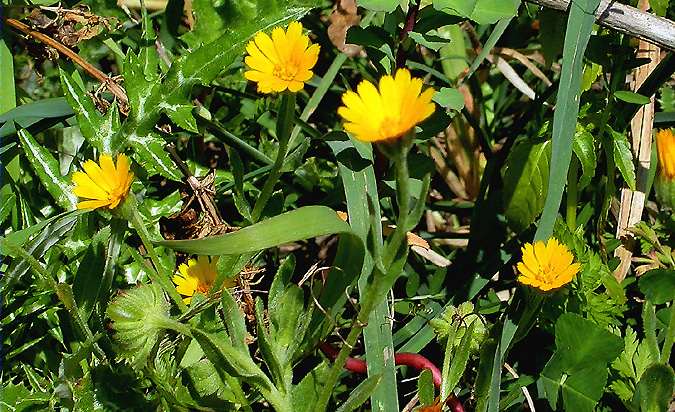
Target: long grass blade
579	27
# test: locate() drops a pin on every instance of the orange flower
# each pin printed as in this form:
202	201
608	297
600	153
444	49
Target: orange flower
547	266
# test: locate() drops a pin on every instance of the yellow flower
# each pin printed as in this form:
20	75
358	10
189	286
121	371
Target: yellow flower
547	266
388	113
105	185
665	146
282	62
197	275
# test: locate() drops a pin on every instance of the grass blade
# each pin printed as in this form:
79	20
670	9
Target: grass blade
360	191
579	27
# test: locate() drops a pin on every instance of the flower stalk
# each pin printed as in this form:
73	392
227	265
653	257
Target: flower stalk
285	123
382	279
129	210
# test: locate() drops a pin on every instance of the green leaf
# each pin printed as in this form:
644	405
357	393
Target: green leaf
659	7
579	28
584	148
631	97
490	11
654	391
582	391
306	393
47	169
8	96
525	177
380	5
87	281
275	365
360	394
28	114
583	344
430	40
623	157
658	285
462	8
449	98
361	193
96	129
461	357
299	224
150	154
234	320
230	361
425	387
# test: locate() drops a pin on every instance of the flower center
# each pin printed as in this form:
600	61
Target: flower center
203	287
285	72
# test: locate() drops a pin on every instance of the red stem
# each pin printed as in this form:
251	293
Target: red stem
413	360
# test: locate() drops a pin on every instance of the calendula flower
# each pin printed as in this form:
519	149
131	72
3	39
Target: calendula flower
547	266
103	184
389	112
281	62
665	147
664	184
197	275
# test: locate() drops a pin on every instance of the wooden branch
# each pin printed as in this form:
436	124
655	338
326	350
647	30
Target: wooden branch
109	83
626	19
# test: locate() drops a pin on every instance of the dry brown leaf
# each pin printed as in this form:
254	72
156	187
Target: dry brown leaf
343	17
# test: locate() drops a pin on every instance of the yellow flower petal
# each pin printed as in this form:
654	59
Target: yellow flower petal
104	184
665	148
388	111
282	61
546	266
196	276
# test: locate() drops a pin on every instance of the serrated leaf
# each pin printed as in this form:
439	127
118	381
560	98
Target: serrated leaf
425	387
150	154
623	157
47	169
526	183
584	148
449	98
181	114
88	118
582	390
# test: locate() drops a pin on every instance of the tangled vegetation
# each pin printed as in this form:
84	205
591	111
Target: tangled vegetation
301	205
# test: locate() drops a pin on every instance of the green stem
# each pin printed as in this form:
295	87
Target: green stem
572	193
285	124
129	210
403	200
